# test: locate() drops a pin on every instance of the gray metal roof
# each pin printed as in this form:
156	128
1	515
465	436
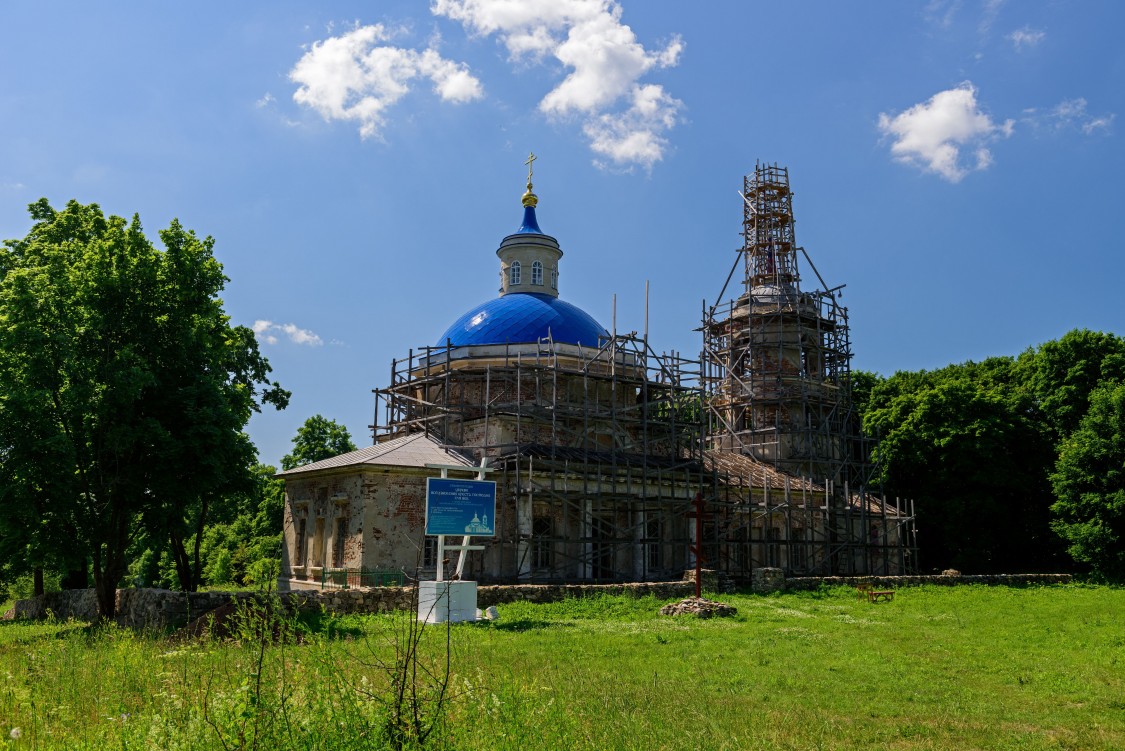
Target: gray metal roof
415	450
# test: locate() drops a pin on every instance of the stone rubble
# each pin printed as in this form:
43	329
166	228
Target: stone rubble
700	607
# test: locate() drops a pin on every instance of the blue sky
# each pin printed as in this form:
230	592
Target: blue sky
956	164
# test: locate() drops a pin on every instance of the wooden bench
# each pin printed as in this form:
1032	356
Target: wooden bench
883	596
863	589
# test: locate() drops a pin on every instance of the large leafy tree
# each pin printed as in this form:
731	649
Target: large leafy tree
1061	374
319	438
124	390
1089	484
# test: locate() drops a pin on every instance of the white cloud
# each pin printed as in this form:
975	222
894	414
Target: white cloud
355	77
1072	113
932	134
941	12
635	135
267	332
1068	115
1026	37
626	121
989	12
265	101
1096	124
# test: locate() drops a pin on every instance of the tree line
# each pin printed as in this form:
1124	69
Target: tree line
1015	463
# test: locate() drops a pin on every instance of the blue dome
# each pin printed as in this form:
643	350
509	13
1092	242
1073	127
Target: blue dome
524	317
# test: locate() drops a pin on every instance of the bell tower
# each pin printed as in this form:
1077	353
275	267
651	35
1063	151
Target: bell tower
529	259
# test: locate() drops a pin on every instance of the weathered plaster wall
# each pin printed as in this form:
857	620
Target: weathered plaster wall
330	507
384	513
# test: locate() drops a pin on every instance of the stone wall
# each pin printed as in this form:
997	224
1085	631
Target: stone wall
765	580
136	608
161	609
500	594
894	582
711	581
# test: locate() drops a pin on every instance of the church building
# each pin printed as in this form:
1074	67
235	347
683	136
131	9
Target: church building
598	446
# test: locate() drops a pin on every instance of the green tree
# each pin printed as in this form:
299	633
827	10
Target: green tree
862	383
319	438
1060	375
124	389
1089	483
248	534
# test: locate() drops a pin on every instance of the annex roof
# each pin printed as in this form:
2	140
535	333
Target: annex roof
753	473
414	450
750	472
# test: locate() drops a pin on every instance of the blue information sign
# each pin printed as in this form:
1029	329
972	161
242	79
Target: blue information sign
460	507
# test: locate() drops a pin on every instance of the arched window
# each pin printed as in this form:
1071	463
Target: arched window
537	274
554	278
514	273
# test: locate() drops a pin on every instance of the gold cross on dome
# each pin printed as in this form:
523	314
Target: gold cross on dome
530	163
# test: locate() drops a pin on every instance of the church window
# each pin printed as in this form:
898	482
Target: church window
537	274
798	550
429	552
542	529
338	541
317	558
653	536
299	553
554	278
514	273
773	546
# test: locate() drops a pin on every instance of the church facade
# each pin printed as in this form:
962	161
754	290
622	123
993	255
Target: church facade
598	446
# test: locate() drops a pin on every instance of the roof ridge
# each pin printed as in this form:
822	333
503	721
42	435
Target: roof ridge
373	453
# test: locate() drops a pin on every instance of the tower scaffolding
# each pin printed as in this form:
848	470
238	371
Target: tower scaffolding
776	369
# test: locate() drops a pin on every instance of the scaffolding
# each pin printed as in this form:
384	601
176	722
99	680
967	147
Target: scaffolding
598	451
776	370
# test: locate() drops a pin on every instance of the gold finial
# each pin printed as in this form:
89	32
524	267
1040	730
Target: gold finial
529	198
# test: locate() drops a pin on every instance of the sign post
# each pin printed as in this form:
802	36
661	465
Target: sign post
465	508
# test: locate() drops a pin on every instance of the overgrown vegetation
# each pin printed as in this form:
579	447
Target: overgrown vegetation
240	546
937	668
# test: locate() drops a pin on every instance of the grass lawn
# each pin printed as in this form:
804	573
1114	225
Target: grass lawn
937	668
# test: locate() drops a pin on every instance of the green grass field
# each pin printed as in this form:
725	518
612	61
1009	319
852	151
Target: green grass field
939	668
